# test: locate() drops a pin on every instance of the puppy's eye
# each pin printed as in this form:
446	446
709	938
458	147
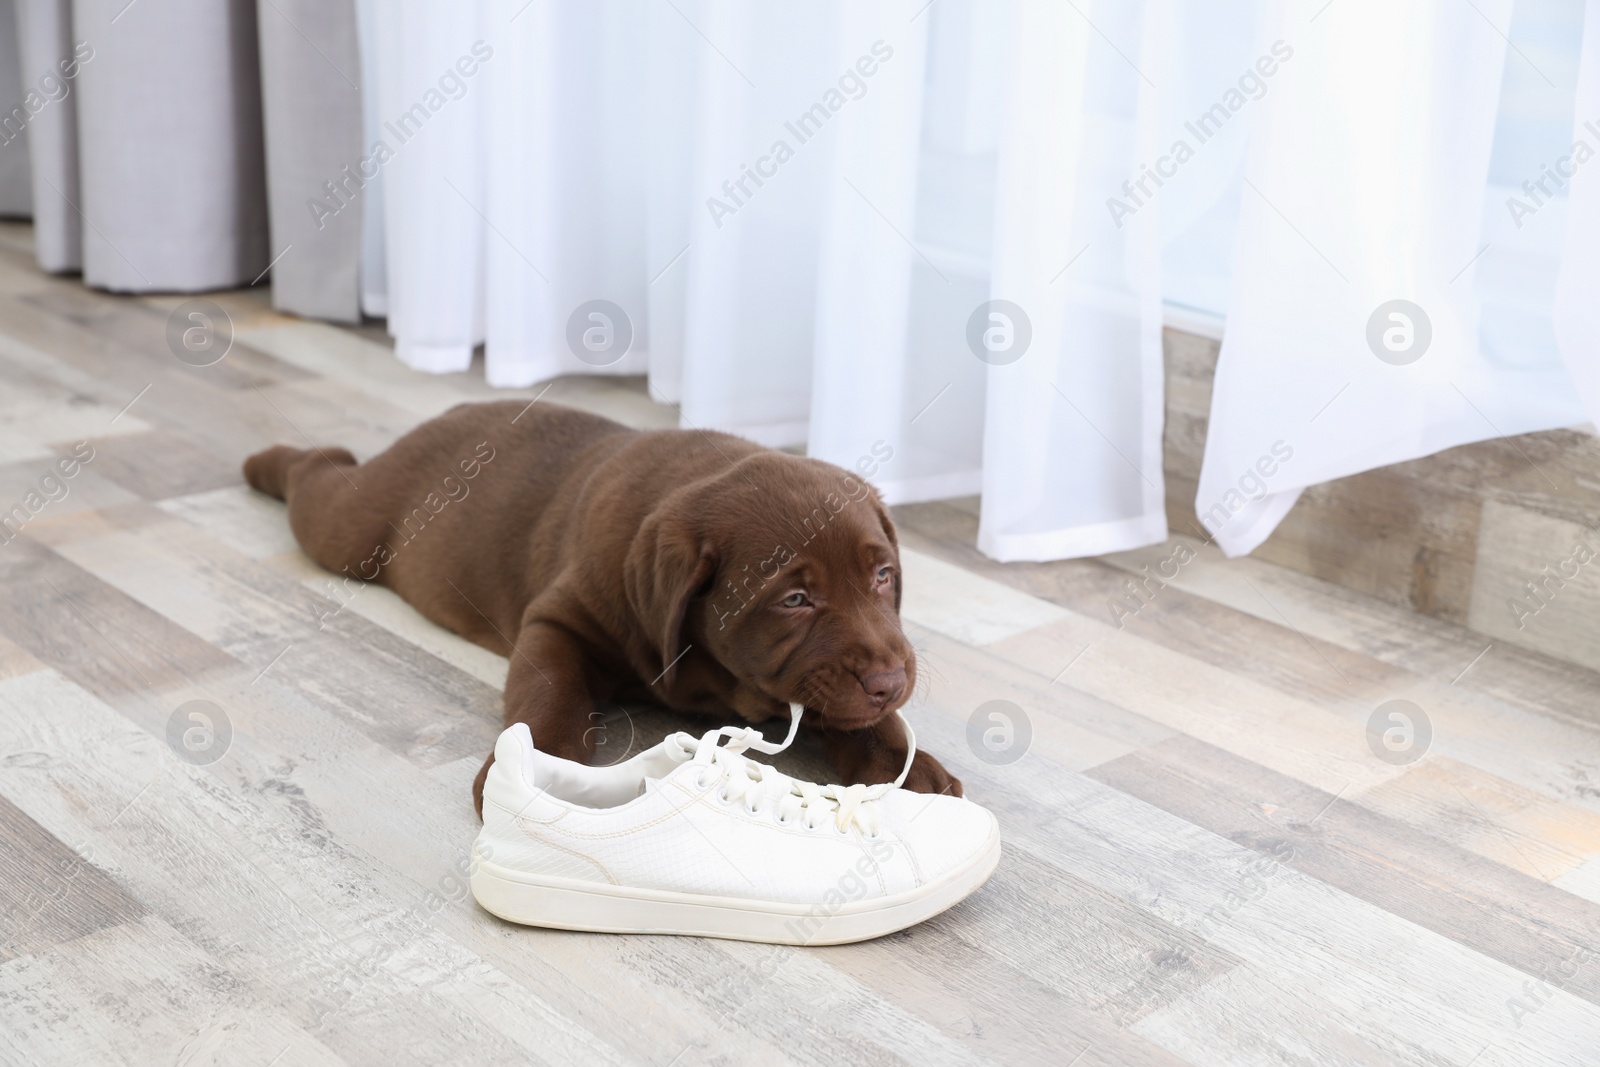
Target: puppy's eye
795	600
884	574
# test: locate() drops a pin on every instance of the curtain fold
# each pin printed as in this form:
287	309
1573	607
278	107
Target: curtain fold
50	60
1577	302
1072	438
1369	315
565	253
169	144
764	134
429	119
863	385
16	114
317	172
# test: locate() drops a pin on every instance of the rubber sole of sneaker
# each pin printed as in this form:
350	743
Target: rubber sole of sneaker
570	904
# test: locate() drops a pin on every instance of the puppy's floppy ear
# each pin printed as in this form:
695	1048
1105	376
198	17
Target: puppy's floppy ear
667	565
894	542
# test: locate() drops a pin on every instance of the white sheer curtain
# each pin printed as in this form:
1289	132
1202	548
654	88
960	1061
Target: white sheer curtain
1577	300
796	214
1072	432
1384	163
930	242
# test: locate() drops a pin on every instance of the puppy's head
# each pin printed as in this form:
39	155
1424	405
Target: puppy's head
783	573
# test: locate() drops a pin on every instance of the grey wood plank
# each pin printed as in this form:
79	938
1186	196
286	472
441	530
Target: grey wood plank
408	700
1247	1019
1249	646
1492	909
140	993
263	890
88	490
50	892
1483	686
1425	647
139	330
115	647
1401	983
1310	640
162	464
1080	965
231	408
37	411
1528	831
1074	728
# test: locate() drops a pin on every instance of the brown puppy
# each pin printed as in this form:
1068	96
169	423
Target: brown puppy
695	570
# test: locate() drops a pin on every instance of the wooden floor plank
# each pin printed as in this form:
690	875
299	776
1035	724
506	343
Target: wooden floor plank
250	523
312	934
1499	820
1488	731
107	642
1247	1019
1284	732
1495	910
162	464
253	614
51	892
1421	645
1075	728
141	993
1405	984
37	413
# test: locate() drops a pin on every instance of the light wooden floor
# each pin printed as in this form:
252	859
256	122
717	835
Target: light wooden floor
1205	863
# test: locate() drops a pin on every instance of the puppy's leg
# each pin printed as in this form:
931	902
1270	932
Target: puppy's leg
877	753
336	524
552	687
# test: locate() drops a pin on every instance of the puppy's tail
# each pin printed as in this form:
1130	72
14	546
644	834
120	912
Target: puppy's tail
269	471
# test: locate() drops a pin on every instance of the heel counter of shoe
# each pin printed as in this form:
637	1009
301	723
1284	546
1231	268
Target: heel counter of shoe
507	794
509	782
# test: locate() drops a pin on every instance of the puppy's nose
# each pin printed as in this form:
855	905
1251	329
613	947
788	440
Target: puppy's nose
884	687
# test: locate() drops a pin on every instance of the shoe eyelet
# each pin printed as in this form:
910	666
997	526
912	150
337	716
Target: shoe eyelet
722	795
703	780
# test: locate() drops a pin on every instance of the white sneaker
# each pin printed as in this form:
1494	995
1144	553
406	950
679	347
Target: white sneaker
692	837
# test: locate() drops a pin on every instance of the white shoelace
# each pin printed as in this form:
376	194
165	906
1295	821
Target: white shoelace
758	786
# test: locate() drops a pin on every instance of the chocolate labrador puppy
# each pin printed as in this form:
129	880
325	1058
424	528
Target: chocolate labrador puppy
695	570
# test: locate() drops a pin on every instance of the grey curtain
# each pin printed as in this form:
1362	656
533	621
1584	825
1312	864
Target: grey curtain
311	96
158	143
169	142
50	65
15	187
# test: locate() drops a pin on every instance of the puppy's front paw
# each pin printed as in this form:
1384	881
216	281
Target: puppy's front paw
929	776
